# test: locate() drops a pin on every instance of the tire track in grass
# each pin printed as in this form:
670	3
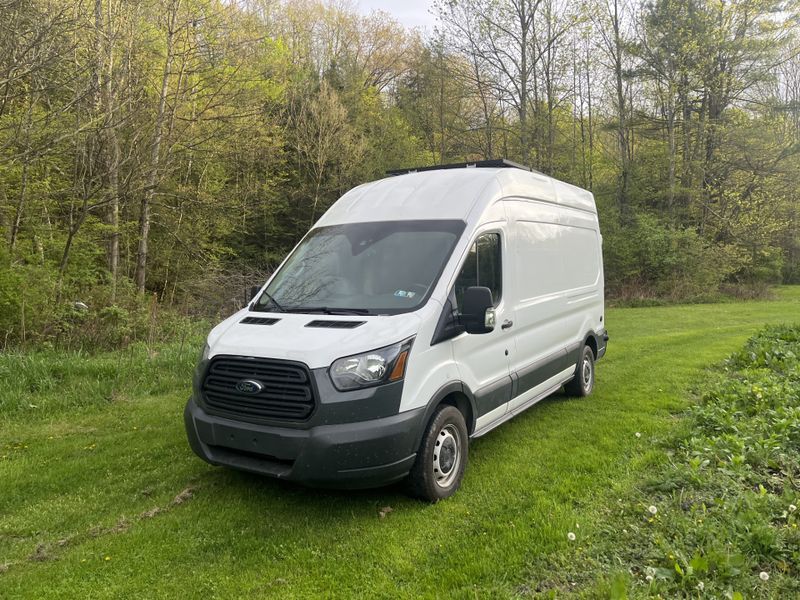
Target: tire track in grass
51	550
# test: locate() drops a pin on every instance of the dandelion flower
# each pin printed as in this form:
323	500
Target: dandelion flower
792	508
652	509
107	558
638	435
764	576
649	578
650	571
571	536
701	586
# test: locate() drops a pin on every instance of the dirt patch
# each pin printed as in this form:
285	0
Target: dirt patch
121	527
41	554
149	514
185	495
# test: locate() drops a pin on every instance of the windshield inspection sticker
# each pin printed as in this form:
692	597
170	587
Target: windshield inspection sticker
404	294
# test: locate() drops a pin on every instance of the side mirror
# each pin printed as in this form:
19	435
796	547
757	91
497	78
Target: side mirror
477	314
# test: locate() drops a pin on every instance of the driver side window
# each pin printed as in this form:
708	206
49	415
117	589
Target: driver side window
483	267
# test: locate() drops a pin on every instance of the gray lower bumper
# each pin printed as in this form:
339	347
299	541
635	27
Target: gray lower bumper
361	454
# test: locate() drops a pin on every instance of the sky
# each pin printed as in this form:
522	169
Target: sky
411	13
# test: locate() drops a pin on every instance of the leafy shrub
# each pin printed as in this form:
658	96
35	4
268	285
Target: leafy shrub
84	317
648	262
724	519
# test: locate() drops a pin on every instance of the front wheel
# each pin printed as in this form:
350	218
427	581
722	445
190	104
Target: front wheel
583	382
442	456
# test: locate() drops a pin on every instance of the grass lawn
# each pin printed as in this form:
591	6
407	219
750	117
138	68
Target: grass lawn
100	495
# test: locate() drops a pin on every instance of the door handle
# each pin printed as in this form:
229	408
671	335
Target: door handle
507	324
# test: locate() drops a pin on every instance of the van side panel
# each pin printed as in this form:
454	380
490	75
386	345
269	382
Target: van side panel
559	289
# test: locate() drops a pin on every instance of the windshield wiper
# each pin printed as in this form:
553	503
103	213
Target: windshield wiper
327	311
349	311
275	302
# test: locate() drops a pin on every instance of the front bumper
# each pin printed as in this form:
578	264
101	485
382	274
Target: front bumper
358	454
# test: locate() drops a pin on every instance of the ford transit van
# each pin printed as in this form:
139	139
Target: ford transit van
420	312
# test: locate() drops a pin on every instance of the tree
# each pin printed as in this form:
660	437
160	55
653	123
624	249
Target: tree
499	36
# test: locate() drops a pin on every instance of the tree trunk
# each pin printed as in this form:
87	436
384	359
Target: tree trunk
549	90
19	208
622	132
672	154
155	148
482	92
590	122
111	151
74	227
441	77
524	23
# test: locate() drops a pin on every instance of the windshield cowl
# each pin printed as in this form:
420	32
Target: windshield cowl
328	311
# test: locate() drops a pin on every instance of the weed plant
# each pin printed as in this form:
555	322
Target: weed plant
715	515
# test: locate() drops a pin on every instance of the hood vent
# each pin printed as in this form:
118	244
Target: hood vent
259	321
335	324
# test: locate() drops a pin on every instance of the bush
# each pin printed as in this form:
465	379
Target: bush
84	318
647	262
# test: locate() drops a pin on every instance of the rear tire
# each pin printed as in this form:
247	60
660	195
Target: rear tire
442	456
583	382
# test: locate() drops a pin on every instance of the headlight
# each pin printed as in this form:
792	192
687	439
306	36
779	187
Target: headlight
375	367
204	353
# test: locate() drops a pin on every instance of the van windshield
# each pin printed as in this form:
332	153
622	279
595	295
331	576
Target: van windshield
387	267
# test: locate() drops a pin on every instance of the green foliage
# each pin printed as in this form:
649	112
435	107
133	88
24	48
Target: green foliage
719	508
83	317
270	113
648	260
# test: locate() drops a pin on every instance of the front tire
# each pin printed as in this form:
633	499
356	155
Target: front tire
583	382
442	456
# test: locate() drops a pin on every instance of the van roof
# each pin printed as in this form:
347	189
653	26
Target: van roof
451	193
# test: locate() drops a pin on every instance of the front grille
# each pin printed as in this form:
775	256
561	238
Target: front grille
287	393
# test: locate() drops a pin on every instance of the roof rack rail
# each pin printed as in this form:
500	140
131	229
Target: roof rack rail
492	164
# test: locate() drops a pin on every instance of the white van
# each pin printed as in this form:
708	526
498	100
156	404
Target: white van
422	310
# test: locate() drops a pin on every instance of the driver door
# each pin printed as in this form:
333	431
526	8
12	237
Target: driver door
484	359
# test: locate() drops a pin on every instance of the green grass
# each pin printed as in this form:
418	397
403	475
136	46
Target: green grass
100	495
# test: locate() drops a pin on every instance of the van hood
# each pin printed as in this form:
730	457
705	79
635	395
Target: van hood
290	337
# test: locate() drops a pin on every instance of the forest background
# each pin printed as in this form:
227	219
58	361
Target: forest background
158	157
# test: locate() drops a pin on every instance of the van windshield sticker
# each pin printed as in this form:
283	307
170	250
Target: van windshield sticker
404	294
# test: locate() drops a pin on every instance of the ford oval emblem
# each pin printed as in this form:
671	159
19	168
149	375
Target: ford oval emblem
249	386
